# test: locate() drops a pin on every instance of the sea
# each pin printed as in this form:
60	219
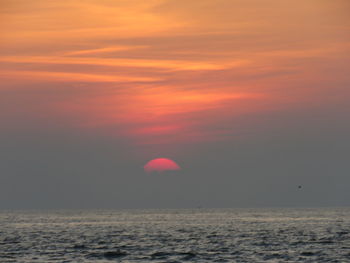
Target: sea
176	235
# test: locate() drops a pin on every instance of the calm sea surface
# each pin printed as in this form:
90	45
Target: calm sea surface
200	235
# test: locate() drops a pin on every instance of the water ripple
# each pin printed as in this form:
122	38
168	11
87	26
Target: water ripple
200	235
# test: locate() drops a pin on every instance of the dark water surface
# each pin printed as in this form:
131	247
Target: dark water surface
200	235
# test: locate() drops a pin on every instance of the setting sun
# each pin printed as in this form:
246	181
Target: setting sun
161	165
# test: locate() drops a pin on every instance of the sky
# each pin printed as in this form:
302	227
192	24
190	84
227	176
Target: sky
250	97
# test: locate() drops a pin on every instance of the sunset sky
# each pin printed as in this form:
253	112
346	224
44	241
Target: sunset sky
250	97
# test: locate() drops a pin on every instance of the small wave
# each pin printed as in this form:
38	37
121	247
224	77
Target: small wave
79	246
160	255
108	254
307	254
188	255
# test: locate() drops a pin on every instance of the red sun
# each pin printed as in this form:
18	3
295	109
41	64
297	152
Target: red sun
160	165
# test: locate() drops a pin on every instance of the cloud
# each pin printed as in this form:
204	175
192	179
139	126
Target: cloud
161	67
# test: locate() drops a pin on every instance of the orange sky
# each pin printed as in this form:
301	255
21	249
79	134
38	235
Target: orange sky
170	71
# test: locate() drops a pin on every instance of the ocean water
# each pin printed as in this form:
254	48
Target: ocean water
198	235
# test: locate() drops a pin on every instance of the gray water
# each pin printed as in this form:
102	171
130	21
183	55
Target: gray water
199	235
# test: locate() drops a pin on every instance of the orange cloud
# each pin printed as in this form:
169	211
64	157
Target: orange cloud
137	63
163	71
44	76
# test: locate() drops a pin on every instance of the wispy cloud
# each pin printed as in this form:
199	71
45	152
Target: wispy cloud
44	76
169	68
136	63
